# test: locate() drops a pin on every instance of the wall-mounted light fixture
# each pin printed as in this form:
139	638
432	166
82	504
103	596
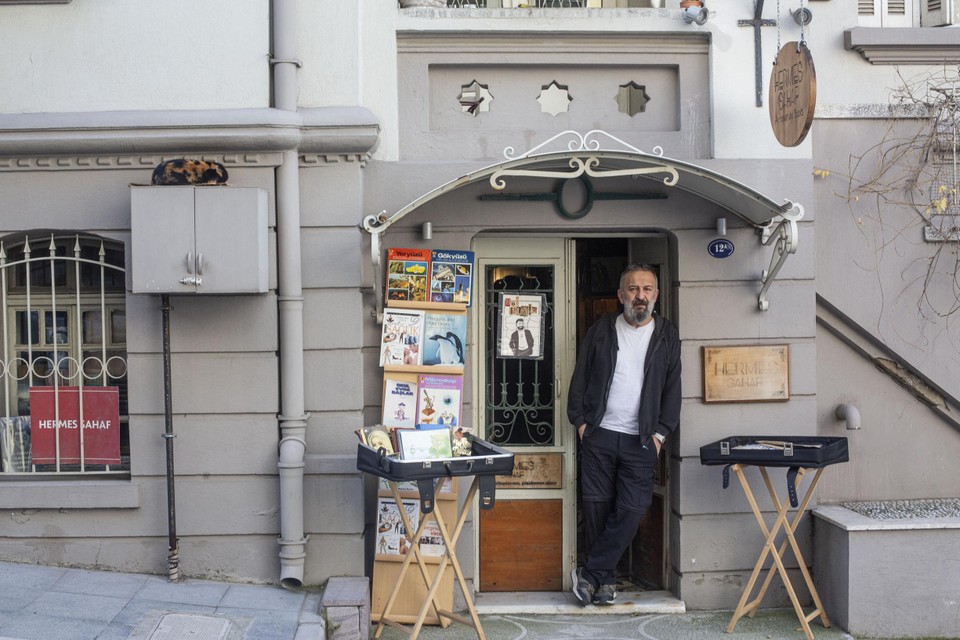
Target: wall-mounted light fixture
426	231
721	227
698	15
802	16
850	414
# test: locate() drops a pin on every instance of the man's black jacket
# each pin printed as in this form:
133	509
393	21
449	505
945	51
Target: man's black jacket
590	385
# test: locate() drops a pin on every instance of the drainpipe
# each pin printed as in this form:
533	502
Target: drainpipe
293	419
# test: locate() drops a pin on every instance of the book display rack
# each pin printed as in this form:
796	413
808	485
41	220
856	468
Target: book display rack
418	453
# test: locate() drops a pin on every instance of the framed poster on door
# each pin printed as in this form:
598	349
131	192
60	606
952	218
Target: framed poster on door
521	325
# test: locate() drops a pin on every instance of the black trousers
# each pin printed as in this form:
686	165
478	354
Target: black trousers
616	478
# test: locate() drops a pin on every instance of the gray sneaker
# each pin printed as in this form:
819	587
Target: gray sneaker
582	587
605	594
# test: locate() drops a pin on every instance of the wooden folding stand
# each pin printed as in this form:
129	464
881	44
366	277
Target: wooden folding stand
769	548
449	558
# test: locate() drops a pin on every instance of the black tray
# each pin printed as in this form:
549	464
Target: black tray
800	451
487	461
793	452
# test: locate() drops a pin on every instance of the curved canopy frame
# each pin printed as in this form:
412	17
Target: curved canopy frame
776	223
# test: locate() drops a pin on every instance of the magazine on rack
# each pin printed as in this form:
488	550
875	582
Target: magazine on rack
451	276
391	532
444	338
408	274
399	402
439	401
401	337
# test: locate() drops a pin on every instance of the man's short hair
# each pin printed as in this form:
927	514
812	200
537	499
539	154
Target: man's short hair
630	268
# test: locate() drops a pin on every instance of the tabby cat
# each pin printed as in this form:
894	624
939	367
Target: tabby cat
187	171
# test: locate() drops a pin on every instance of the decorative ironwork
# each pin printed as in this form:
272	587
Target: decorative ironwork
590	164
519	395
556	197
784	236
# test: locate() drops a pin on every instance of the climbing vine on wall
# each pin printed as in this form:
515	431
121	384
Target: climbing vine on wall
914	167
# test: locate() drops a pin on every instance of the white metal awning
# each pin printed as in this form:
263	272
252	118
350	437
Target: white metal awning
584	156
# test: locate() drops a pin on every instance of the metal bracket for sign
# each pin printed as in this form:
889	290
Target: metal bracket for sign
756	23
784	236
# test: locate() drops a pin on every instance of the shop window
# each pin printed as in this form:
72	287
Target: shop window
64	357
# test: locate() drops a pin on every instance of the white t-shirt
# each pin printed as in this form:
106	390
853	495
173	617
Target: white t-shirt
623	402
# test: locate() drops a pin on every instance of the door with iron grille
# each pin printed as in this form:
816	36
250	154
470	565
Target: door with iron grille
528	542
538	297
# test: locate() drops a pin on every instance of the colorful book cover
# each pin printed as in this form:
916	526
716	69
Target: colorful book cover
432	444
378	437
444	338
408	274
399	403
439	401
459	442
451	276
401	337
391	532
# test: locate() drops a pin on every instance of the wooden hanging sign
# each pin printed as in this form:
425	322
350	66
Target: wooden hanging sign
793	94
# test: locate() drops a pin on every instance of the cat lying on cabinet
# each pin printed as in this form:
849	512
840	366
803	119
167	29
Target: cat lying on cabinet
186	171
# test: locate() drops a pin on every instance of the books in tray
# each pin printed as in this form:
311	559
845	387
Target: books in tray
417	337
424	444
451	276
377	437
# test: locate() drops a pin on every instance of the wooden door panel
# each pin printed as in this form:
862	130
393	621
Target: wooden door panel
521	546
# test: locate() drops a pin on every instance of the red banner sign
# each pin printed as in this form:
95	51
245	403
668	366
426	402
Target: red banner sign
101	424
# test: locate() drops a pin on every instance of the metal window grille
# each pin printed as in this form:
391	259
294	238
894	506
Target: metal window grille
520	394
64	340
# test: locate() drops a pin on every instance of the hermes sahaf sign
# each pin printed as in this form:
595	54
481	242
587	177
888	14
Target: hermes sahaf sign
793	94
55	415
756	373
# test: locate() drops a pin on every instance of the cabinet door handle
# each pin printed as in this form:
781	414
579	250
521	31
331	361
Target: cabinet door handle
190	262
200	264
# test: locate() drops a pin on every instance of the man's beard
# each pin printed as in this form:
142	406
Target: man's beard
635	315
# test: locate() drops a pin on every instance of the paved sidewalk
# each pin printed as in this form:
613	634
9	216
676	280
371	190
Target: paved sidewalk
777	624
52	603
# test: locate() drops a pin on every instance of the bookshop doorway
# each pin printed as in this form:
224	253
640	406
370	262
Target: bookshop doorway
556	288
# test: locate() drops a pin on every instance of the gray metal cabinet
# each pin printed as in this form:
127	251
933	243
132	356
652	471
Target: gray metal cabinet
198	240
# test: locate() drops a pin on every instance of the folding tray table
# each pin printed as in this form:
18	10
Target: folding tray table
486	462
798	454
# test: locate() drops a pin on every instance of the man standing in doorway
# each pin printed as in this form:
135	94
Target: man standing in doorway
624	400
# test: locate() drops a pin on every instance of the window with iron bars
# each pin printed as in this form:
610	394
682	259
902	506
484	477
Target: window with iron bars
64	356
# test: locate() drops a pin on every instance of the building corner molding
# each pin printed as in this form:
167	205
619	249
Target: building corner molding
330	131
894	46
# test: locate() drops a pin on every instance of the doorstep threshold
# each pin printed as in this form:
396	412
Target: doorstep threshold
565	603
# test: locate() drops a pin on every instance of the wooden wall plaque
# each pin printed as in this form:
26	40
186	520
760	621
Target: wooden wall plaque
757	373
534	471
793	94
